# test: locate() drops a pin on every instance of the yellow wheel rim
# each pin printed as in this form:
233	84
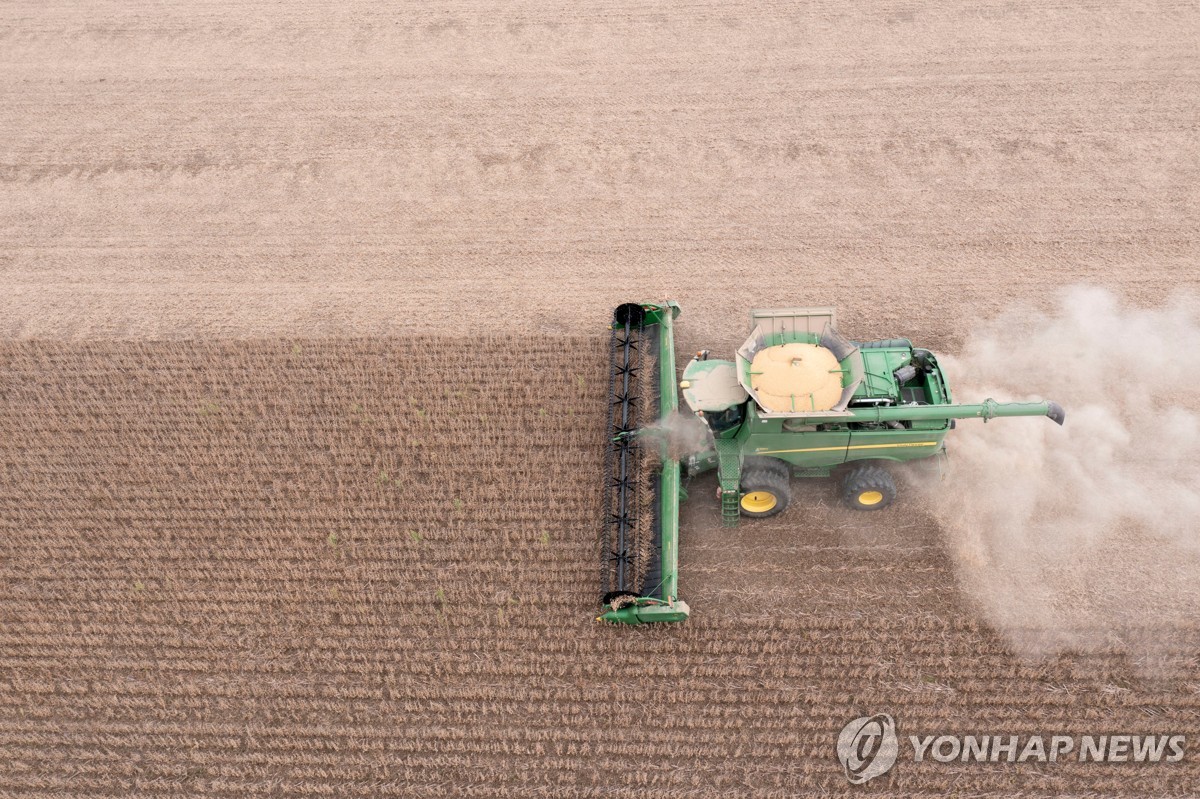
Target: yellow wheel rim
870	498
758	501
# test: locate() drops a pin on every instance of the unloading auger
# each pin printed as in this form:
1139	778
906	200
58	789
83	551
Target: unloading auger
798	400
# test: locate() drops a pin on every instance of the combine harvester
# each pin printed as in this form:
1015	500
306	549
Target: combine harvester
799	400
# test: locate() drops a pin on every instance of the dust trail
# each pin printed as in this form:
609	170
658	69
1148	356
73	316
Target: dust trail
1086	536
684	433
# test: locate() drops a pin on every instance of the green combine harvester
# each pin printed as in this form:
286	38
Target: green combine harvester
798	400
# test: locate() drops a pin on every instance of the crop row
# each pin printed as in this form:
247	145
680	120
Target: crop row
309	568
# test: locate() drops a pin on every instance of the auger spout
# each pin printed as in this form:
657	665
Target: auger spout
988	409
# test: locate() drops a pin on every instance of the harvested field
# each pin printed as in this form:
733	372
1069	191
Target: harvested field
341	168
312	567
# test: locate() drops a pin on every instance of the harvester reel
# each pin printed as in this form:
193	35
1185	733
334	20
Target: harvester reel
619	599
631	313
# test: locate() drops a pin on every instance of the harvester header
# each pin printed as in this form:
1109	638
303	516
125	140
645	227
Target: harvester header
642	486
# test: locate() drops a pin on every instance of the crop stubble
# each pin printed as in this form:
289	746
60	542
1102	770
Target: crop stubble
308	567
338	168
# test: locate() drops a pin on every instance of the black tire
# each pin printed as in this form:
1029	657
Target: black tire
868	487
756	462
765	491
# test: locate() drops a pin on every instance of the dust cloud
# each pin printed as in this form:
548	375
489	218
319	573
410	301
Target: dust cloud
684	433
1083	537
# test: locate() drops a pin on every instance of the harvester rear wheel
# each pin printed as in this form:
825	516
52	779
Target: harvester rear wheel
765	492
869	487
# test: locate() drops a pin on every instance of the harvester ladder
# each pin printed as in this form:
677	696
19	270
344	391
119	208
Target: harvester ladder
729	467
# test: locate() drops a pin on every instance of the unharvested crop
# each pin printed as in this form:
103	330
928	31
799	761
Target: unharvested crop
316	567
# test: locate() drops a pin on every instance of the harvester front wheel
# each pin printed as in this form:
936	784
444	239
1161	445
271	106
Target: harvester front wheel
765	492
869	487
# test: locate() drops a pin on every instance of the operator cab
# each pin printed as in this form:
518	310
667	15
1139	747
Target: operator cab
712	391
